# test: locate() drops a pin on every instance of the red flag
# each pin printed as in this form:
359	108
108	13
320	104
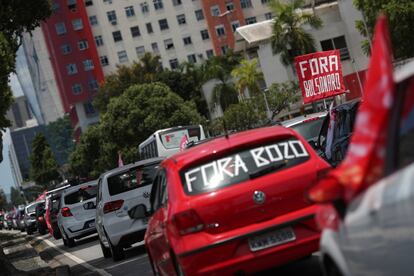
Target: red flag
364	162
120	162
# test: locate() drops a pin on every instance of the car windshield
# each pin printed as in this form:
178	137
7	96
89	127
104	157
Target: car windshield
246	164
31	208
309	129
134	178
80	195
171	138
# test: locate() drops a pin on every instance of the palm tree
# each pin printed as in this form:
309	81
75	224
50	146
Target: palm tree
289	37
247	76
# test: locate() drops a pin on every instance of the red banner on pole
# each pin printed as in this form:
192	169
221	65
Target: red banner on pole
320	75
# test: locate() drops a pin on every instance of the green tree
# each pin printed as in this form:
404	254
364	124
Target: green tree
280	96
43	164
400	14
244	115
16	197
60	133
289	37
247	77
16	17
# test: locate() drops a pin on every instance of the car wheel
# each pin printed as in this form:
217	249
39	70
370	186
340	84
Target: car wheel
331	269
68	242
105	251
42	231
117	252
29	231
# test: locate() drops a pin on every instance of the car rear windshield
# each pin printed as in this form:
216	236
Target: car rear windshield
309	129
132	179
248	163
82	194
171	138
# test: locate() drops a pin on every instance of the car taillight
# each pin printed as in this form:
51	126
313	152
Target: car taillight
41	218
112	206
187	222
66	212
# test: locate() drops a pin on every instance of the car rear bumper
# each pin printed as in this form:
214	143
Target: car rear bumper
80	229
233	255
125	231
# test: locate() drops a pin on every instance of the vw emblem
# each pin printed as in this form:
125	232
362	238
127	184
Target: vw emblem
259	197
146	194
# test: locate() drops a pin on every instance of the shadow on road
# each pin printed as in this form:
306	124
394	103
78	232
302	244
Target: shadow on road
309	267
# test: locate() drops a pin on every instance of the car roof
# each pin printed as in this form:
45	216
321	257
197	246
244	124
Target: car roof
234	140
132	165
300	119
76	188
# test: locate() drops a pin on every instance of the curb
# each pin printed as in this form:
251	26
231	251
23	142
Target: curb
39	245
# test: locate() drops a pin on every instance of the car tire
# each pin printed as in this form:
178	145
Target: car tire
21	229
68	242
42	231
105	250
29	231
117	252
332	269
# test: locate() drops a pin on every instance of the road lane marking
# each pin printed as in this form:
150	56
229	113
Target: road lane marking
77	260
128	261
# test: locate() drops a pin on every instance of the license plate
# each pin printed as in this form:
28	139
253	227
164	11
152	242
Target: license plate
91	224
271	239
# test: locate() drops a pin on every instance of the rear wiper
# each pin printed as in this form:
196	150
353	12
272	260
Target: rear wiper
267	170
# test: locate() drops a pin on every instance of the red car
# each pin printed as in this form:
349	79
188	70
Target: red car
235	204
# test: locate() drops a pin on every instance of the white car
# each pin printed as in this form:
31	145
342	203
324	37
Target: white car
76	218
119	190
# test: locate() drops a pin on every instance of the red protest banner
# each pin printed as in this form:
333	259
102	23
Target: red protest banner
320	75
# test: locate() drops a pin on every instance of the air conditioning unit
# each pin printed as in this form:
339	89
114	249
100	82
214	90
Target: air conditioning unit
114	22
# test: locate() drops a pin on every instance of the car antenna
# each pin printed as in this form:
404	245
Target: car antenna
226	133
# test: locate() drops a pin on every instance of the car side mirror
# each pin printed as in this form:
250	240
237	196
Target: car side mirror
89	205
138	212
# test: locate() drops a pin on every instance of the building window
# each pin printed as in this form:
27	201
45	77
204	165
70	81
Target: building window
230	6
122	56
71	4
135	32
158	5
93	20
77	24
107	1
174	63
192	58
140	51
99	40
104	60
187	40
89	109
149	28
76	89
83	45
181	19
199	15
224	49
176	2
55	7
251	20
88	3
210	53
154	47
235	25
71	68
336	43
215	10
204	34
88	64
93	84
246	4
144	7
265	1
117	36
169	44
163	24
66	49
129	11
220	30
60	28
268	15
111	17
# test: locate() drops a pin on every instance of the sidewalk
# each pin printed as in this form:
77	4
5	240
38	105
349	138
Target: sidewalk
19	258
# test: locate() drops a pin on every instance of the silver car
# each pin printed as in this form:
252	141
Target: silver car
373	233
76	217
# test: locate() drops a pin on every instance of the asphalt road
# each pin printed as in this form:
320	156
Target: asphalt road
86	259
